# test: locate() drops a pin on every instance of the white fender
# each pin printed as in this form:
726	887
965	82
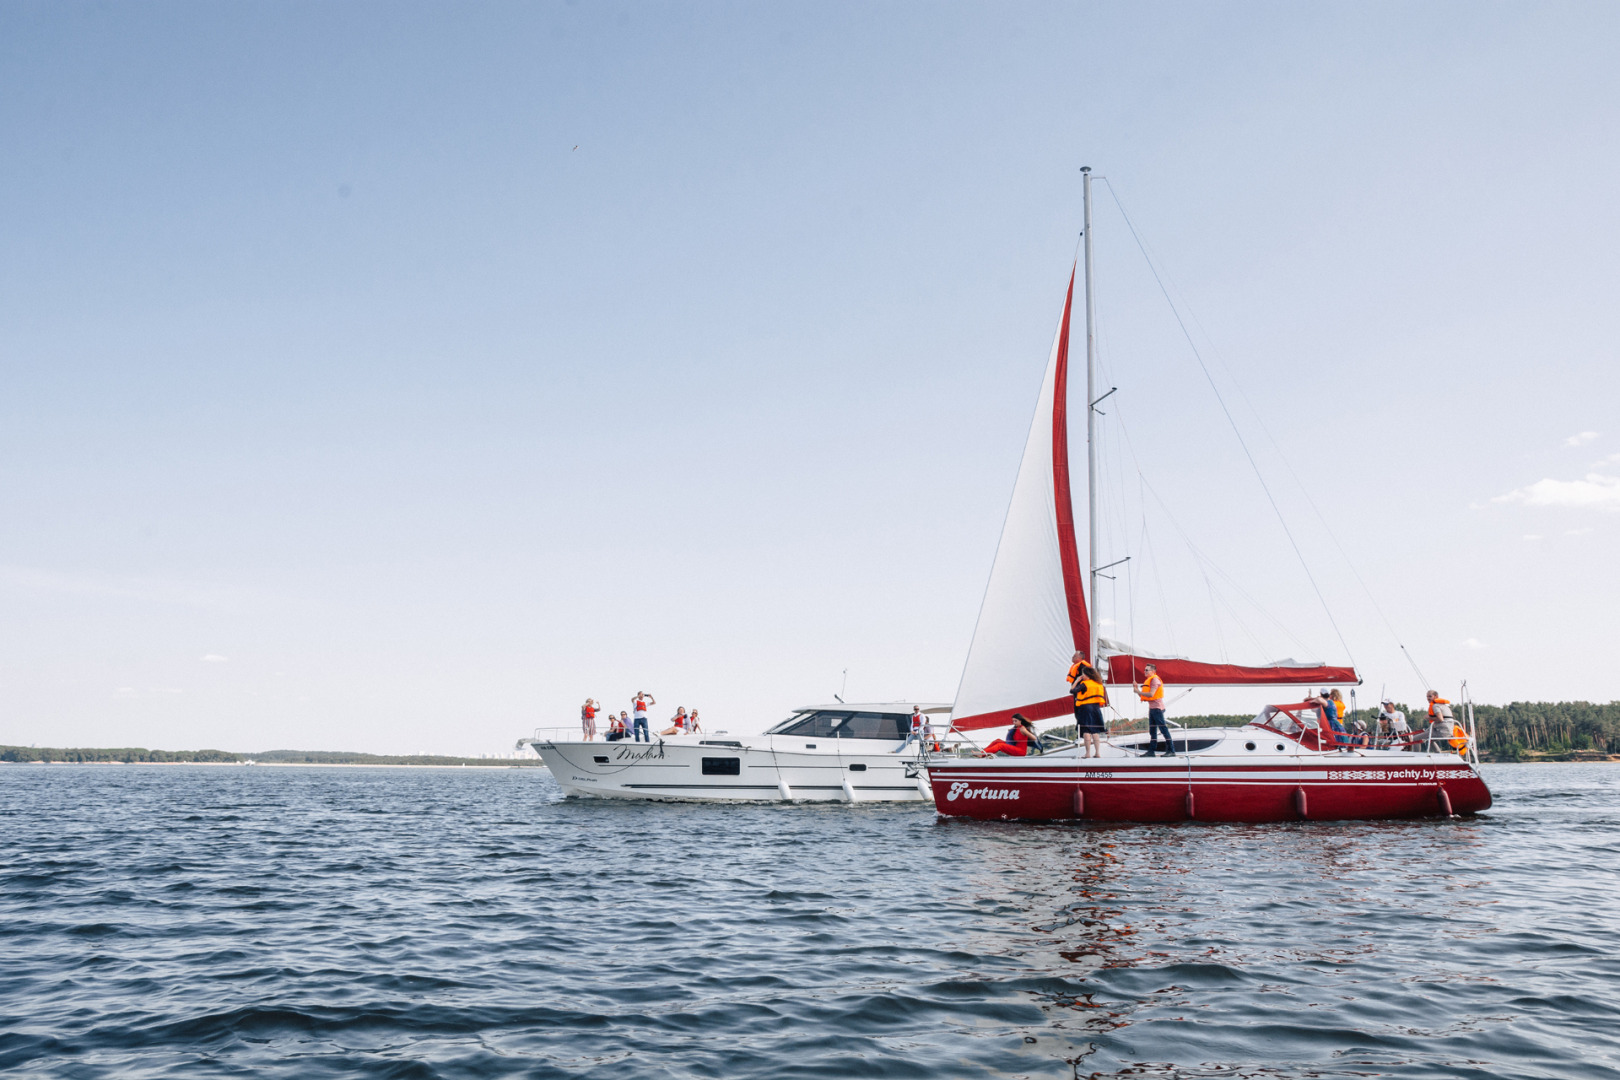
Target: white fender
925	787
849	790
783	790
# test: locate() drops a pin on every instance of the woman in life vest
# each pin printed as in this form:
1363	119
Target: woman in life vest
692	723
1019	736
677	724
1089	698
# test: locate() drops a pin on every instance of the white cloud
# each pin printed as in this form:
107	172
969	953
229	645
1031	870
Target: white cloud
1612	459
1594	492
1581	439
215	658
1475	643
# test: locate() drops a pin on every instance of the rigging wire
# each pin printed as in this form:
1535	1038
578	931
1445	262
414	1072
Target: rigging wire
1265	429
1193	345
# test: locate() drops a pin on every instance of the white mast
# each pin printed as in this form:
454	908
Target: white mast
1091	417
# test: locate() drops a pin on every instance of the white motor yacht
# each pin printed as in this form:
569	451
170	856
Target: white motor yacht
827	753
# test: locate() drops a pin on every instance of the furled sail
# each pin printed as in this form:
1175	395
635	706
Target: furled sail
1033	617
1125	669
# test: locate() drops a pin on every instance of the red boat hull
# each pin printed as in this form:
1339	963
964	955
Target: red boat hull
1326	788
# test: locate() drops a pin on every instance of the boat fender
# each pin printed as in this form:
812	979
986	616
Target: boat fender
1300	807
849	792
1191	810
1445	801
783	790
925	788
1079	803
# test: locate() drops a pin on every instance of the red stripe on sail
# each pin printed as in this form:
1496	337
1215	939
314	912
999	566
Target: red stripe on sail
1073	591
1126	670
1041	710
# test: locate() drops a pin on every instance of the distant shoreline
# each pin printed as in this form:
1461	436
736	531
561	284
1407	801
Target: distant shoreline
140	755
478	764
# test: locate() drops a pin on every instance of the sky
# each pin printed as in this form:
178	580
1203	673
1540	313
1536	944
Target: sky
393	377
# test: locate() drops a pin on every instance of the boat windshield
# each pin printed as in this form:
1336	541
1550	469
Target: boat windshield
839	724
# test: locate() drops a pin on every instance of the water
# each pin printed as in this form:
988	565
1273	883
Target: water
196	921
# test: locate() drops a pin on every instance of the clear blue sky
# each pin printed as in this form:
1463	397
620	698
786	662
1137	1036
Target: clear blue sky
394	376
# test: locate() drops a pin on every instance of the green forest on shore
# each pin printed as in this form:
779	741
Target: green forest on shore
1521	731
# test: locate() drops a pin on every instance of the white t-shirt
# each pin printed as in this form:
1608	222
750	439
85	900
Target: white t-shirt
1397	721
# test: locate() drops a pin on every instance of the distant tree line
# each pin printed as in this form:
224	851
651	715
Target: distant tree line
127	754
135	754
1523	730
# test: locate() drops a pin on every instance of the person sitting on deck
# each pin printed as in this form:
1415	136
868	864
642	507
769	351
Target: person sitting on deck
692	723
677	723
1019	736
615	730
1393	721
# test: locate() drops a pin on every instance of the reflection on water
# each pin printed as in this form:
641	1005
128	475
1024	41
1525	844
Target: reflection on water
305	923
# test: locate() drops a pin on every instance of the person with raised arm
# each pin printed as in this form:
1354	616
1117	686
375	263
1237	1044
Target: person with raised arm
639	705
587	718
1152	692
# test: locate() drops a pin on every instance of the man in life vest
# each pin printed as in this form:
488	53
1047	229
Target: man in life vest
639	705
915	733
1441	727
1089	698
1152	692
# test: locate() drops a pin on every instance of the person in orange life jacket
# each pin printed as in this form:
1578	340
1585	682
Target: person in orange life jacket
677	723
1089	698
639	705
916	732
1152	692
1440	724
615	728
587	718
1019	736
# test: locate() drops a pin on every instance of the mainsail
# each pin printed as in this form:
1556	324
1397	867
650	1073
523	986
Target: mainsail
1034	615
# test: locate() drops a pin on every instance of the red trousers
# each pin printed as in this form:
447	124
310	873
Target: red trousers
1001	746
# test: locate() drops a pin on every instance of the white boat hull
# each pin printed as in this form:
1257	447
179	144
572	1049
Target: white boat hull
765	768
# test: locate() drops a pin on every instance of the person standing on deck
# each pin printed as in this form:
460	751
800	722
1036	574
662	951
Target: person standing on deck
587	718
1440	724
1089	698
639	705
916	732
1152	692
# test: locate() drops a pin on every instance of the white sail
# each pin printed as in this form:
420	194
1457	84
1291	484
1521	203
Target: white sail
1025	635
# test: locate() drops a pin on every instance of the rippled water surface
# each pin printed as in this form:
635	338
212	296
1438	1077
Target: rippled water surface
280	922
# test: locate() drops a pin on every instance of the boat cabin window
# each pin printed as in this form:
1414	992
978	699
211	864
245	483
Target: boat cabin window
839	724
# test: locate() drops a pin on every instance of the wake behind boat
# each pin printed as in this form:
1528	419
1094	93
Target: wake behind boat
823	753
1290	763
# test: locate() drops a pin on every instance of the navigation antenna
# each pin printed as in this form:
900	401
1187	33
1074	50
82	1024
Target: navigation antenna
842	687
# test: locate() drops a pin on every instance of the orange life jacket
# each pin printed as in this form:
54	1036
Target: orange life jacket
1090	692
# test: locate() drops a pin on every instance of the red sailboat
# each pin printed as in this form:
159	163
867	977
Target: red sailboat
1286	765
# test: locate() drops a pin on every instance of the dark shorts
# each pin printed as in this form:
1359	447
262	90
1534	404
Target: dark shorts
1089	719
